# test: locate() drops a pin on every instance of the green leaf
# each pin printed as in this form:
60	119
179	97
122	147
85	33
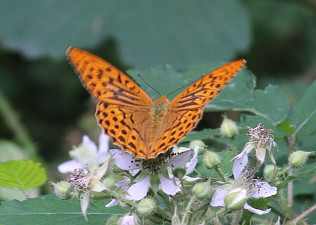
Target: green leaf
49	210
200	135
146	33
239	95
22	174
304	114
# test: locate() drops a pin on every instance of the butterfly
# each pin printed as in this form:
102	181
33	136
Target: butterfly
136	123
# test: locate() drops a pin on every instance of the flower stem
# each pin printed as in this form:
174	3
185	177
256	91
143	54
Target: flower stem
11	119
222	210
188	210
220	173
308	211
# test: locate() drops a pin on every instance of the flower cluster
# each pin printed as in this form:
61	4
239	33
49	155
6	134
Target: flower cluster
173	176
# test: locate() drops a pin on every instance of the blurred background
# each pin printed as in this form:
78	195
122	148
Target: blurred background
44	110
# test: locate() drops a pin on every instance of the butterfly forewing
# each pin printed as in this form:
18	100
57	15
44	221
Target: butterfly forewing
123	111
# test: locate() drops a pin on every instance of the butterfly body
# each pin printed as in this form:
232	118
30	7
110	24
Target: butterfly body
126	113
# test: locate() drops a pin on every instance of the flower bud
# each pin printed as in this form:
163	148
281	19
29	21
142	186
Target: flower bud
113	220
201	190
235	199
109	182
298	158
268	170
211	159
228	128
197	143
62	189
145	207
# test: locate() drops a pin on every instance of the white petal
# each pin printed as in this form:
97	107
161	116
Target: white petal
278	221
104	141
125	160
69	166
99	173
263	190
139	190
84	203
218	197
128	220
168	186
90	145
260	154
180	159
256	211
98	187
272	158
241	196
193	161
112	203
240	163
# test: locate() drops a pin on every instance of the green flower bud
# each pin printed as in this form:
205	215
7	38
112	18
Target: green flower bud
198	143
113	220
62	189
268	171
211	159
298	158
109	182
202	190
145	207
228	128
235	199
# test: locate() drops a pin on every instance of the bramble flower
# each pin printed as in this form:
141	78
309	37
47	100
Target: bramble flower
235	194
87	155
84	182
261	140
154	172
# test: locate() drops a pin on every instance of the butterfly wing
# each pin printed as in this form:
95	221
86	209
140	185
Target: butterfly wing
123	109
185	110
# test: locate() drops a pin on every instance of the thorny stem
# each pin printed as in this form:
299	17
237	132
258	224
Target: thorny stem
236	217
188	210
305	213
291	142
220	173
222	210
234	146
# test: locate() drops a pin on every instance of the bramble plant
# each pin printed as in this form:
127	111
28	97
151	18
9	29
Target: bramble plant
247	178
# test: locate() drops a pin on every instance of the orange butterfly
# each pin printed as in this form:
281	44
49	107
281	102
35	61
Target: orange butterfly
126	113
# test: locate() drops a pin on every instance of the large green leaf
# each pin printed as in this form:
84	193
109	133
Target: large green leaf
22	174
304	114
147	33
49	210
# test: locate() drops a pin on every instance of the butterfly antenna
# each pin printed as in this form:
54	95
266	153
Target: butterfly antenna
184	86
148	84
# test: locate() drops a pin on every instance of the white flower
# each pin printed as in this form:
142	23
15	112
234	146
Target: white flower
87	155
154	171
84	181
261	140
243	188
